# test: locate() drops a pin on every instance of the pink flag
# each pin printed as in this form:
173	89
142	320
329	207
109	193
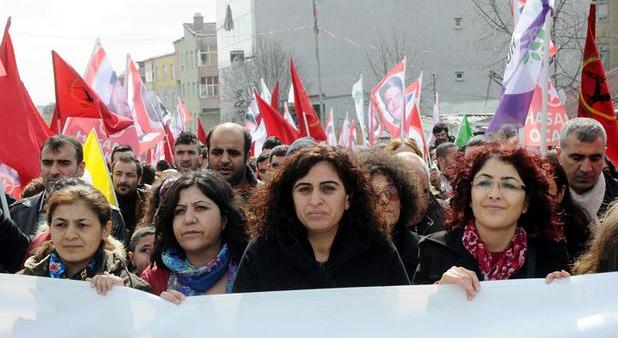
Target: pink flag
145	115
101	76
331	137
388	99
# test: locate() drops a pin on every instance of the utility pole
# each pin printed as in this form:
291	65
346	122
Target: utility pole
316	30
433	78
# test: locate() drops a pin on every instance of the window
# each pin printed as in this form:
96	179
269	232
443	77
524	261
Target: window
602	10
237	56
163	72
458	23
209	86
208	56
173	72
459	76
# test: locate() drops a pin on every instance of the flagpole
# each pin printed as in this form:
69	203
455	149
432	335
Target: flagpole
306	124
316	29
545	81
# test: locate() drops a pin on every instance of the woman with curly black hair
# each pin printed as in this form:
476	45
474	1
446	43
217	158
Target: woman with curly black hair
316	226
199	238
394	189
501	223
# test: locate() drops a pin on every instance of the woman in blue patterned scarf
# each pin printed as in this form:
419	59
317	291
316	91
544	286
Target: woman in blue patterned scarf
199	238
81	246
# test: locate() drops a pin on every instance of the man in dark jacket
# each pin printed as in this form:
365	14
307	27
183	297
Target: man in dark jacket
126	176
61	156
13	244
582	154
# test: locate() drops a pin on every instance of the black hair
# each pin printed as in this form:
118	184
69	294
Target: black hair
58	141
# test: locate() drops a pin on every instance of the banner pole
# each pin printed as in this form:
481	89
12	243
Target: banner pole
306	124
545	82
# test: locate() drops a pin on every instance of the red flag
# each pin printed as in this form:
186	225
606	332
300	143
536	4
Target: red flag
274	97
201	133
303	107
275	123
22	131
594	96
388	100
74	98
168	151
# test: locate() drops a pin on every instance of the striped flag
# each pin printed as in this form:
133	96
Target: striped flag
523	68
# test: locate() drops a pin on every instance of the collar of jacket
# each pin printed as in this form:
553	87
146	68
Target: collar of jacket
106	261
347	244
452	241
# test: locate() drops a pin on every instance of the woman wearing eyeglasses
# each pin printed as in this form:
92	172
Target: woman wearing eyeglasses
397	202
501	223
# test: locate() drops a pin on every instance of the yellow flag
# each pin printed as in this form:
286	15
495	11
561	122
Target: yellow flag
96	170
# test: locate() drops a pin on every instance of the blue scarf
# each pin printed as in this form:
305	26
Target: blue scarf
190	281
57	270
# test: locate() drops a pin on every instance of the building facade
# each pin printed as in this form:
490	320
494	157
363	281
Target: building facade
607	33
459	55
196	71
160	78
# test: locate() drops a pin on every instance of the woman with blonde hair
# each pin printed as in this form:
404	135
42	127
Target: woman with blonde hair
602	256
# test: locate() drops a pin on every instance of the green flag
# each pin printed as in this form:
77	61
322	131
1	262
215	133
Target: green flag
464	134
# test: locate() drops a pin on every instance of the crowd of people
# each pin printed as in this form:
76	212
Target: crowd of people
306	215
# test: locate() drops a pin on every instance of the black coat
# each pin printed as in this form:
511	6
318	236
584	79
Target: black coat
25	214
406	242
443	250
13	244
285	262
433	221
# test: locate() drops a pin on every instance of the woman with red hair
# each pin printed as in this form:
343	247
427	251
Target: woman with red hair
501	223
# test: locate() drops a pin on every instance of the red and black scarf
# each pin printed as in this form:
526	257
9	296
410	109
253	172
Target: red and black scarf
511	261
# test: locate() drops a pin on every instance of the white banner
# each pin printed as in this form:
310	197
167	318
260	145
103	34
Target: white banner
582	306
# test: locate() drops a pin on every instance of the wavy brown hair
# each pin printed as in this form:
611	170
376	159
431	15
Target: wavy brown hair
272	205
602	256
540	218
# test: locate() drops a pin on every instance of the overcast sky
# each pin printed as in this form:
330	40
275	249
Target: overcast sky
70	27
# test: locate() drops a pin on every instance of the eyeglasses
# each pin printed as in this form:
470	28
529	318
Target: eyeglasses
505	187
389	192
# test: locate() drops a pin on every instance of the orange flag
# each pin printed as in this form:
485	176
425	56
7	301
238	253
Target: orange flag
22	131
594	98
74	98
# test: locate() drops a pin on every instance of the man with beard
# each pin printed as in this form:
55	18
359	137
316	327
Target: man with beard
187	153
581	154
126	176
228	151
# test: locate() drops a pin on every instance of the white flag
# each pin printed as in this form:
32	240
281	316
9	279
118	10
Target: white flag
359	103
